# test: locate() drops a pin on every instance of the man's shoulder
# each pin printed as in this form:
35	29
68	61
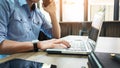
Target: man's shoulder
6	2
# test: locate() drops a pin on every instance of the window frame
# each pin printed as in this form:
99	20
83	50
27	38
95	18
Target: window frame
85	10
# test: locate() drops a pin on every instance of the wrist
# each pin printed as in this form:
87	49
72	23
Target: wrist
52	13
35	47
40	43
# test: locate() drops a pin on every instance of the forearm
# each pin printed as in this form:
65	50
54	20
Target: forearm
10	47
56	31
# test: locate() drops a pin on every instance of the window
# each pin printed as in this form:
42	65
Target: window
73	10
81	10
96	5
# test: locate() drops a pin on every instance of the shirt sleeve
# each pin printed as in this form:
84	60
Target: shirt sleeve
46	26
4	14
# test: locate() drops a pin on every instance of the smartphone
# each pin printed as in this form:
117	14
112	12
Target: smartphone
46	2
21	63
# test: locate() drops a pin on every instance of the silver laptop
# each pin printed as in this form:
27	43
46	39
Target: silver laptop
80	45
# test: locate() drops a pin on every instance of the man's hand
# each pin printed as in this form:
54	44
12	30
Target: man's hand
53	43
51	8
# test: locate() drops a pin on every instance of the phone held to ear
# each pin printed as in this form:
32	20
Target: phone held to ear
46	2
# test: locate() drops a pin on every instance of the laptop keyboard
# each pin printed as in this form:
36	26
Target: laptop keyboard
77	46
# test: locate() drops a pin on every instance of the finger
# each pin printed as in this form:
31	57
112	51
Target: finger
49	8
62	46
52	3
65	43
59	46
59	41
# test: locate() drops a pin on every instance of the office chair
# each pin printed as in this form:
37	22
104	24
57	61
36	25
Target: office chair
42	36
84	30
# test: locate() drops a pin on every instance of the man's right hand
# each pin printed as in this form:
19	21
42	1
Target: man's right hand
53	43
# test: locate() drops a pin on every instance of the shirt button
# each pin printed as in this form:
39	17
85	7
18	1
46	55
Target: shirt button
30	29
29	17
20	19
37	23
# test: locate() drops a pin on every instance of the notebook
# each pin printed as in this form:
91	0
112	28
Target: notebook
83	46
102	60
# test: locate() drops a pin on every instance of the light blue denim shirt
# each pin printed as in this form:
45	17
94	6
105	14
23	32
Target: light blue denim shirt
18	23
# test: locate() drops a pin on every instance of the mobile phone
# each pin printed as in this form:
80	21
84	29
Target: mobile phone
46	2
21	63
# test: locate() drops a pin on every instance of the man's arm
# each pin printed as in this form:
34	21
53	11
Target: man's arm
51	9
56	30
10	47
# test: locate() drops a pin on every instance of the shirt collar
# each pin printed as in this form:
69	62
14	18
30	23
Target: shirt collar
22	2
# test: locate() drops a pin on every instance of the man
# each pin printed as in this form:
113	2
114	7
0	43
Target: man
20	24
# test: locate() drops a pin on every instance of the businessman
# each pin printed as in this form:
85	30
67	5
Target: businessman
20	24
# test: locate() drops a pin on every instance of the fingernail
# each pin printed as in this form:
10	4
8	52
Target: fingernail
69	46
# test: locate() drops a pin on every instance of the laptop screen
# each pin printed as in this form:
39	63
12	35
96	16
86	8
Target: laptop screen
95	29
93	34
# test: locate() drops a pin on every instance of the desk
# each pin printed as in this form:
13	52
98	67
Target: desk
105	44
108	44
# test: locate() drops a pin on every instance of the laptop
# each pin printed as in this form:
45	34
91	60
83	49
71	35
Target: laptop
80	45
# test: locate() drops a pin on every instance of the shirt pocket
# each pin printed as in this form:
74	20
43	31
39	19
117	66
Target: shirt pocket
36	26
17	26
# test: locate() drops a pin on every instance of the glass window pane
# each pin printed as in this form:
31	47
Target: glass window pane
73	10
96	5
